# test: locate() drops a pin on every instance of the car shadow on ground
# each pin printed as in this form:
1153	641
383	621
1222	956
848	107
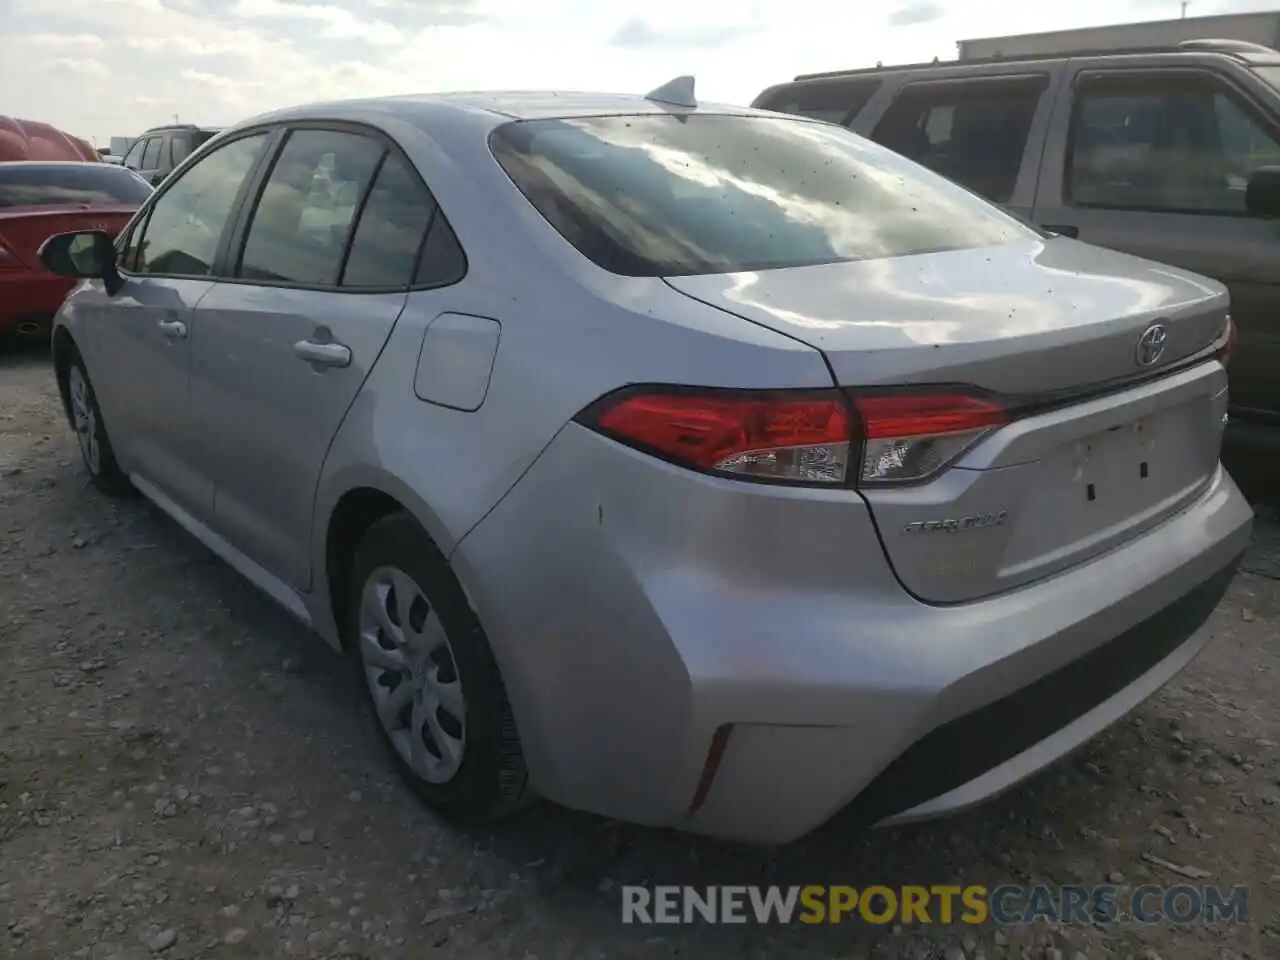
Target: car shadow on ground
17	351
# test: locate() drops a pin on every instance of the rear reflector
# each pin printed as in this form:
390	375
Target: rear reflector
1230	340
910	437
808	437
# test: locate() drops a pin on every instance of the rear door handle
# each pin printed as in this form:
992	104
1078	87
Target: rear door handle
173	329
1062	229
323	354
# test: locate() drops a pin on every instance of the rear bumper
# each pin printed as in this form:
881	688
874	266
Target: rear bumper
636	610
28	298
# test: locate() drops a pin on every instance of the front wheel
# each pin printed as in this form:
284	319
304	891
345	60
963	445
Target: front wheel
431	678
91	431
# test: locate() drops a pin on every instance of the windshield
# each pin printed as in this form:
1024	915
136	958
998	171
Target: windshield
94	184
678	195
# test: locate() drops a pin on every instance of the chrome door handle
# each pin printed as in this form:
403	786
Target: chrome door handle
323	354
173	329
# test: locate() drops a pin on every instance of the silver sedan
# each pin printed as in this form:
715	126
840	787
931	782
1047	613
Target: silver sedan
692	465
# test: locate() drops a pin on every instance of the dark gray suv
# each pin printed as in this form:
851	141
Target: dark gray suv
1173	155
159	151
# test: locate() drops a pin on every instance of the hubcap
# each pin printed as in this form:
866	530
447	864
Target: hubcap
86	423
412	676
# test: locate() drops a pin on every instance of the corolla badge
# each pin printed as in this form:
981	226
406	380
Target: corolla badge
977	521
1151	344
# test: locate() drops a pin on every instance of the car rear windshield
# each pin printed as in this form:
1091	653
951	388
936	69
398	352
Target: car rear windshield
671	195
35	185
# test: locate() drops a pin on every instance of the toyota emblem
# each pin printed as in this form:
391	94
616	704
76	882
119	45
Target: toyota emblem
1151	344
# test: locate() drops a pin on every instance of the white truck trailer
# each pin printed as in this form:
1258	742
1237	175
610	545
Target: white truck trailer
1261	28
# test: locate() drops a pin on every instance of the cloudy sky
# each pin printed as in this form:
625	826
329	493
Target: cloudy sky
104	67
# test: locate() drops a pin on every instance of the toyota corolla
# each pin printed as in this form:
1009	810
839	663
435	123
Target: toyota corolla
688	464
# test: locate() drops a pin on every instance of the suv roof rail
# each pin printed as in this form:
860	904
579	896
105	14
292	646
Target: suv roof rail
1239	48
1214	45
172	126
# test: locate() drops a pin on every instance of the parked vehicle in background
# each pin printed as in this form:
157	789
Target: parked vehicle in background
34	140
159	151
39	200
1173	155
606	433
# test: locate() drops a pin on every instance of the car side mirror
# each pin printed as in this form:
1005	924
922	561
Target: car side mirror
90	255
1262	196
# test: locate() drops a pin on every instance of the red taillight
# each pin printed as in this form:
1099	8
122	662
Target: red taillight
921	415
1230	341
768	435
798	436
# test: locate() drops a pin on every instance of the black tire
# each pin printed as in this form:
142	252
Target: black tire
491	780
105	473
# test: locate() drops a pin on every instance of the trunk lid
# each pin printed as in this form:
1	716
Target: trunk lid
1020	319
1108	451
24	229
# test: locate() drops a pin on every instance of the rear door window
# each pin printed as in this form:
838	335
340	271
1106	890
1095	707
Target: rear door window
179	148
1176	144
393	223
300	226
972	132
151	157
31	185
836	101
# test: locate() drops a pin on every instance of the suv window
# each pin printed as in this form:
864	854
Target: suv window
39	184
179	148
1171	144
151	158
669	195
299	228
133	159
395	218
186	222
835	101
975	133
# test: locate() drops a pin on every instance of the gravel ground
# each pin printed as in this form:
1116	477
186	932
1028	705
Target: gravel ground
186	773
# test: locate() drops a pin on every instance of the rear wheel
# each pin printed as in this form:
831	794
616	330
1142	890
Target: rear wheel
431	679
91	432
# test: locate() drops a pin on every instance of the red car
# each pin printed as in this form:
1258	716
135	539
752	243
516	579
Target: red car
39	199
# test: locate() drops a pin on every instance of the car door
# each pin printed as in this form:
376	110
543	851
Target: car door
286	342
140	343
1154	161
983	130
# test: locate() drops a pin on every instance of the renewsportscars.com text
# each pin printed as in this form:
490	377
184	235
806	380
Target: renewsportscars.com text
1007	904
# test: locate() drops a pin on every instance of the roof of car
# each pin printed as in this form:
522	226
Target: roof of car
174	127
498	104
56	164
33	139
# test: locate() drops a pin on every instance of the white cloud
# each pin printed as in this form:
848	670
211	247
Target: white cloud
218	61
336	23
